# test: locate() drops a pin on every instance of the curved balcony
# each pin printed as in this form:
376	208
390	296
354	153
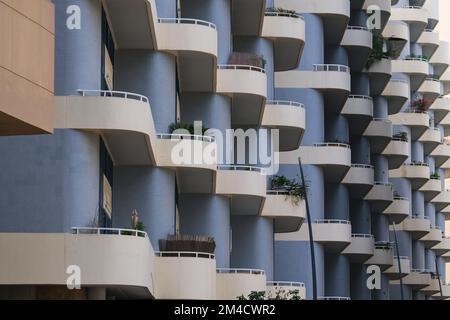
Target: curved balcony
287	214
440	107
358	42
380	72
379	132
418	173
233	283
194	42
247	85
396	34
245	185
185	275
334	235
397	151
432	6
359	180
383	256
418	121
441	59
105	257
361	248
446	124
441	154
430	89
445	293
441	201
415	16
124	120
287	31
430	139
399	270
380	196
289	118
359	111
442	247
334	158
433	238
385	12
445	80
429	40
397	93
335	15
417	279
431	189
284	287
134	23
398	210
433	287
416	68
247	17
193	157
418	226
333	80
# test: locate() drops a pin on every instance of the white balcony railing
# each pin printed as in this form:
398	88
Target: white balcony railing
331	67
176	136
109	231
187	21
240	67
115	94
185	254
240	271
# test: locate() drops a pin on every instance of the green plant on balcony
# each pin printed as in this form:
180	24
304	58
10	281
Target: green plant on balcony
435	176
402	136
186	126
378	52
294	190
280	10
418	56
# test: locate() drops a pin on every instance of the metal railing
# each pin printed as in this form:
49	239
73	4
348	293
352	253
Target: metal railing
285	284
420	271
240	168
357	28
360	96
385	245
331	67
413	110
185	254
381	183
417	217
334	298
362	166
418	164
277	192
285	103
283	14
240	271
398	80
400	198
332	144
362	235
384	120
176	136
108	231
240	67
331	221
114	94
187	21
432	79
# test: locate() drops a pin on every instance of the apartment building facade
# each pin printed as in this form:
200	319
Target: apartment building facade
354	89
